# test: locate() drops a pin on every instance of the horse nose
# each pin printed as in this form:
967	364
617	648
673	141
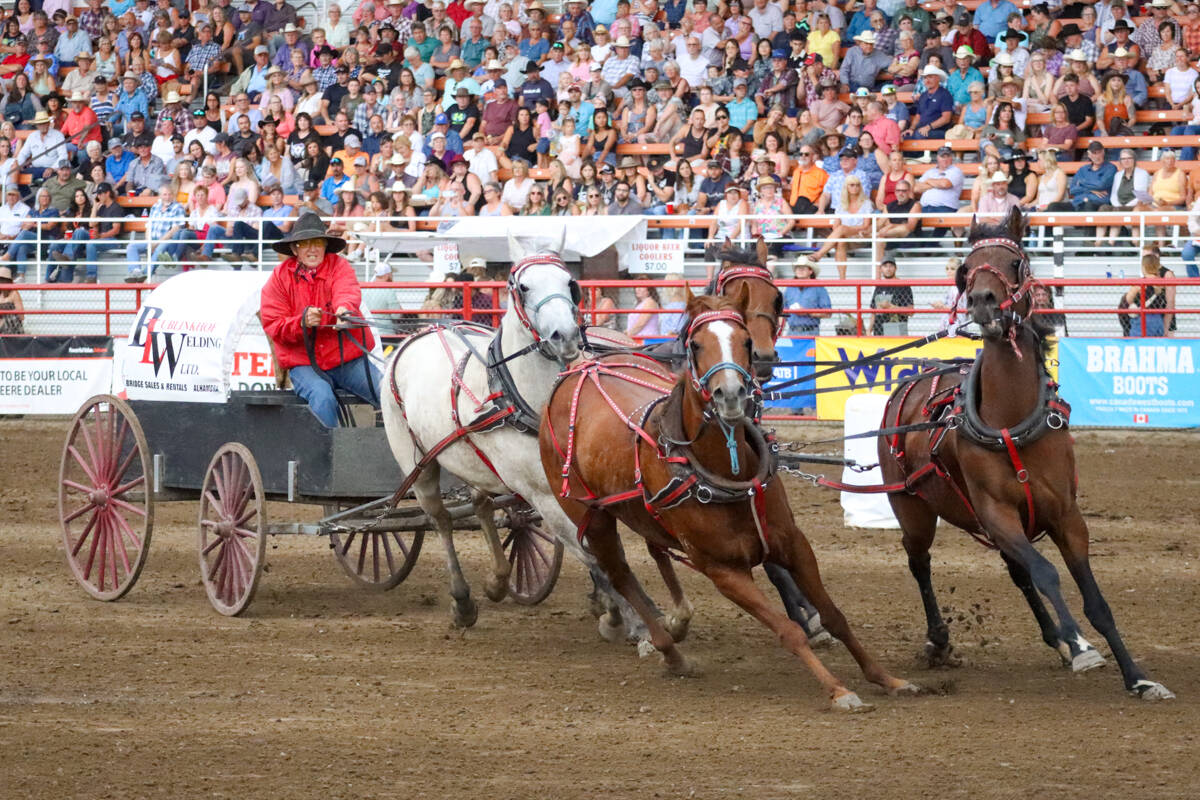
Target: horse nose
981	297
727	395
556	337
764	363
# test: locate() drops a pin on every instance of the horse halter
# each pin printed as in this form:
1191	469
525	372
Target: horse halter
1017	292
753	273
524	314
700	382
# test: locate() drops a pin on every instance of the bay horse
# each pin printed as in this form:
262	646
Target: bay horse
1005	470
678	460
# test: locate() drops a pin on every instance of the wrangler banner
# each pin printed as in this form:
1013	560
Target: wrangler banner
879	377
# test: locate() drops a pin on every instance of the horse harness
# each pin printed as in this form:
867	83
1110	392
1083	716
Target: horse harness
689	480
753	273
504	405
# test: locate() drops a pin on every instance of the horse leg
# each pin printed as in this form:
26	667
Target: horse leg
1073	544
797	606
919	524
1020	578
680	616
429	495
738	585
1004	524
605	544
798	557
485	511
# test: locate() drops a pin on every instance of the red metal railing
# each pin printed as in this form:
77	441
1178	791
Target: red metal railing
121	301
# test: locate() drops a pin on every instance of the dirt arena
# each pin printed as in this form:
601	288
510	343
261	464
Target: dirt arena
324	691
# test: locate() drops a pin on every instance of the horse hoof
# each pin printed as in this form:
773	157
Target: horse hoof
941	655
465	613
905	689
680	667
610	631
496	588
820	640
1149	690
852	703
1087	660
645	648
677	626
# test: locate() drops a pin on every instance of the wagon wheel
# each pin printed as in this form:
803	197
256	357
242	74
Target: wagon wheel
105	506
377	560
536	558
232	530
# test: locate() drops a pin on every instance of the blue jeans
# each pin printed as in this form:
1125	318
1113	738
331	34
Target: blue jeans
19	250
1190	249
241	230
1188	153
136	251
350	376
92	250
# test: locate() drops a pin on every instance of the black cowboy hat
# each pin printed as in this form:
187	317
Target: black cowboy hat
309	226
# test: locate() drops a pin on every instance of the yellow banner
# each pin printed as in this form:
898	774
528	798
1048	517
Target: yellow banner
880	377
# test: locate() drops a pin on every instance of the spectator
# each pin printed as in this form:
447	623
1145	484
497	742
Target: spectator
1160	298
853	221
1130	190
954	303
887	297
643	322
935	107
165	227
11	319
863	62
1091	186
998	201
803	304
903	224
808	182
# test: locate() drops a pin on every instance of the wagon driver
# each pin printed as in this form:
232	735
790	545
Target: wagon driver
310	291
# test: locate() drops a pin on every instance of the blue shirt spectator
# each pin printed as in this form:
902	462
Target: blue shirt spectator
117	164
1091	186
958	82
991	17
930	106
801	297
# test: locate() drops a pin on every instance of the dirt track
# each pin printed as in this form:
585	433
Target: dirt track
325	691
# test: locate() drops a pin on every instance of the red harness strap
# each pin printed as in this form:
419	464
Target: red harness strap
1023	479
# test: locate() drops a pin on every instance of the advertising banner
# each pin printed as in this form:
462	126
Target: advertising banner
52	374
879	377
656	257
184	342
789	349
1125	382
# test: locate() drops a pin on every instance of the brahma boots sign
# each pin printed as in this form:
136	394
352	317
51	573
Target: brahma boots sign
1123	382
52	374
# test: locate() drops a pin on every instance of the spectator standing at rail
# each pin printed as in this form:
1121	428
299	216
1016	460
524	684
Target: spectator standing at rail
803	304
890	296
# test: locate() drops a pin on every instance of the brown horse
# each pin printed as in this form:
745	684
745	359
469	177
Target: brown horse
1005	470
678	460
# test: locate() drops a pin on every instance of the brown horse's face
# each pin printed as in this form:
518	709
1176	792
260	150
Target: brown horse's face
719	353
988	288
763	312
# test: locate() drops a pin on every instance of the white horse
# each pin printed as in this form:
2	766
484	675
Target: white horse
538	336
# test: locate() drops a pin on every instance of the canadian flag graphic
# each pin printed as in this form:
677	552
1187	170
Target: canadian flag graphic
1141	419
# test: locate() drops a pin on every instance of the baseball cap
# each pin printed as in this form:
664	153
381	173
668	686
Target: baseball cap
1095	147
137	115
352	141
945	150
115	142
262	48
850	151
441	119
778	53
607	169
104	188
311	185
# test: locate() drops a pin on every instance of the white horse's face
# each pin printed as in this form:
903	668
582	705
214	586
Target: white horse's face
550	299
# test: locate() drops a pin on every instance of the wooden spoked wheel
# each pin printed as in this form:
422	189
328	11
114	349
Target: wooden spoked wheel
536	557
105	503
232	530
378	561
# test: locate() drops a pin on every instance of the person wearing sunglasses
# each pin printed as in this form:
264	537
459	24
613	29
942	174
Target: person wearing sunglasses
808	182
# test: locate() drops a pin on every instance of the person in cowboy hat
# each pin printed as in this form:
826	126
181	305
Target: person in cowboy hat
534	87
41	152
805	298
80	125
311	290
963	75
863	63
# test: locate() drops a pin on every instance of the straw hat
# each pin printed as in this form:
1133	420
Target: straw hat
41	118
805	261
999	177
172	98
866	37
79	96
1076	55
932	69
965	51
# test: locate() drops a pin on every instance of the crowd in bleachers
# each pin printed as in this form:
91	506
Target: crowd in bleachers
219	121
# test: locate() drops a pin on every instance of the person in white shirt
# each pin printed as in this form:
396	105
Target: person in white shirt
767	18
693	66
44	142
338	29
203	133
483	161
12	213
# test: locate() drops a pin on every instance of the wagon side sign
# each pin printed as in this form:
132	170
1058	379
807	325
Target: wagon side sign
163	342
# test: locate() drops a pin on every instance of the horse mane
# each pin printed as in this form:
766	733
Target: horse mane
1003	229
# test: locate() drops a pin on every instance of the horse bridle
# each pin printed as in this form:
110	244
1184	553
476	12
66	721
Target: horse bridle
525	315
753	273
700	382
1010	320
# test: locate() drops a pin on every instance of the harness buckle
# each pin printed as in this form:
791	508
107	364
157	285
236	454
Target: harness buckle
1023	476
953	422
704	494
1055	421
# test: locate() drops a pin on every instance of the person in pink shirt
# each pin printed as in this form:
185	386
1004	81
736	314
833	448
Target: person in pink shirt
884	130
998	200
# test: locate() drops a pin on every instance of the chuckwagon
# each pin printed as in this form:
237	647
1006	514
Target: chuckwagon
195	414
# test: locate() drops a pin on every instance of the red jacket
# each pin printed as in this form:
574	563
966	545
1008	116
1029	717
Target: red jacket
286	296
